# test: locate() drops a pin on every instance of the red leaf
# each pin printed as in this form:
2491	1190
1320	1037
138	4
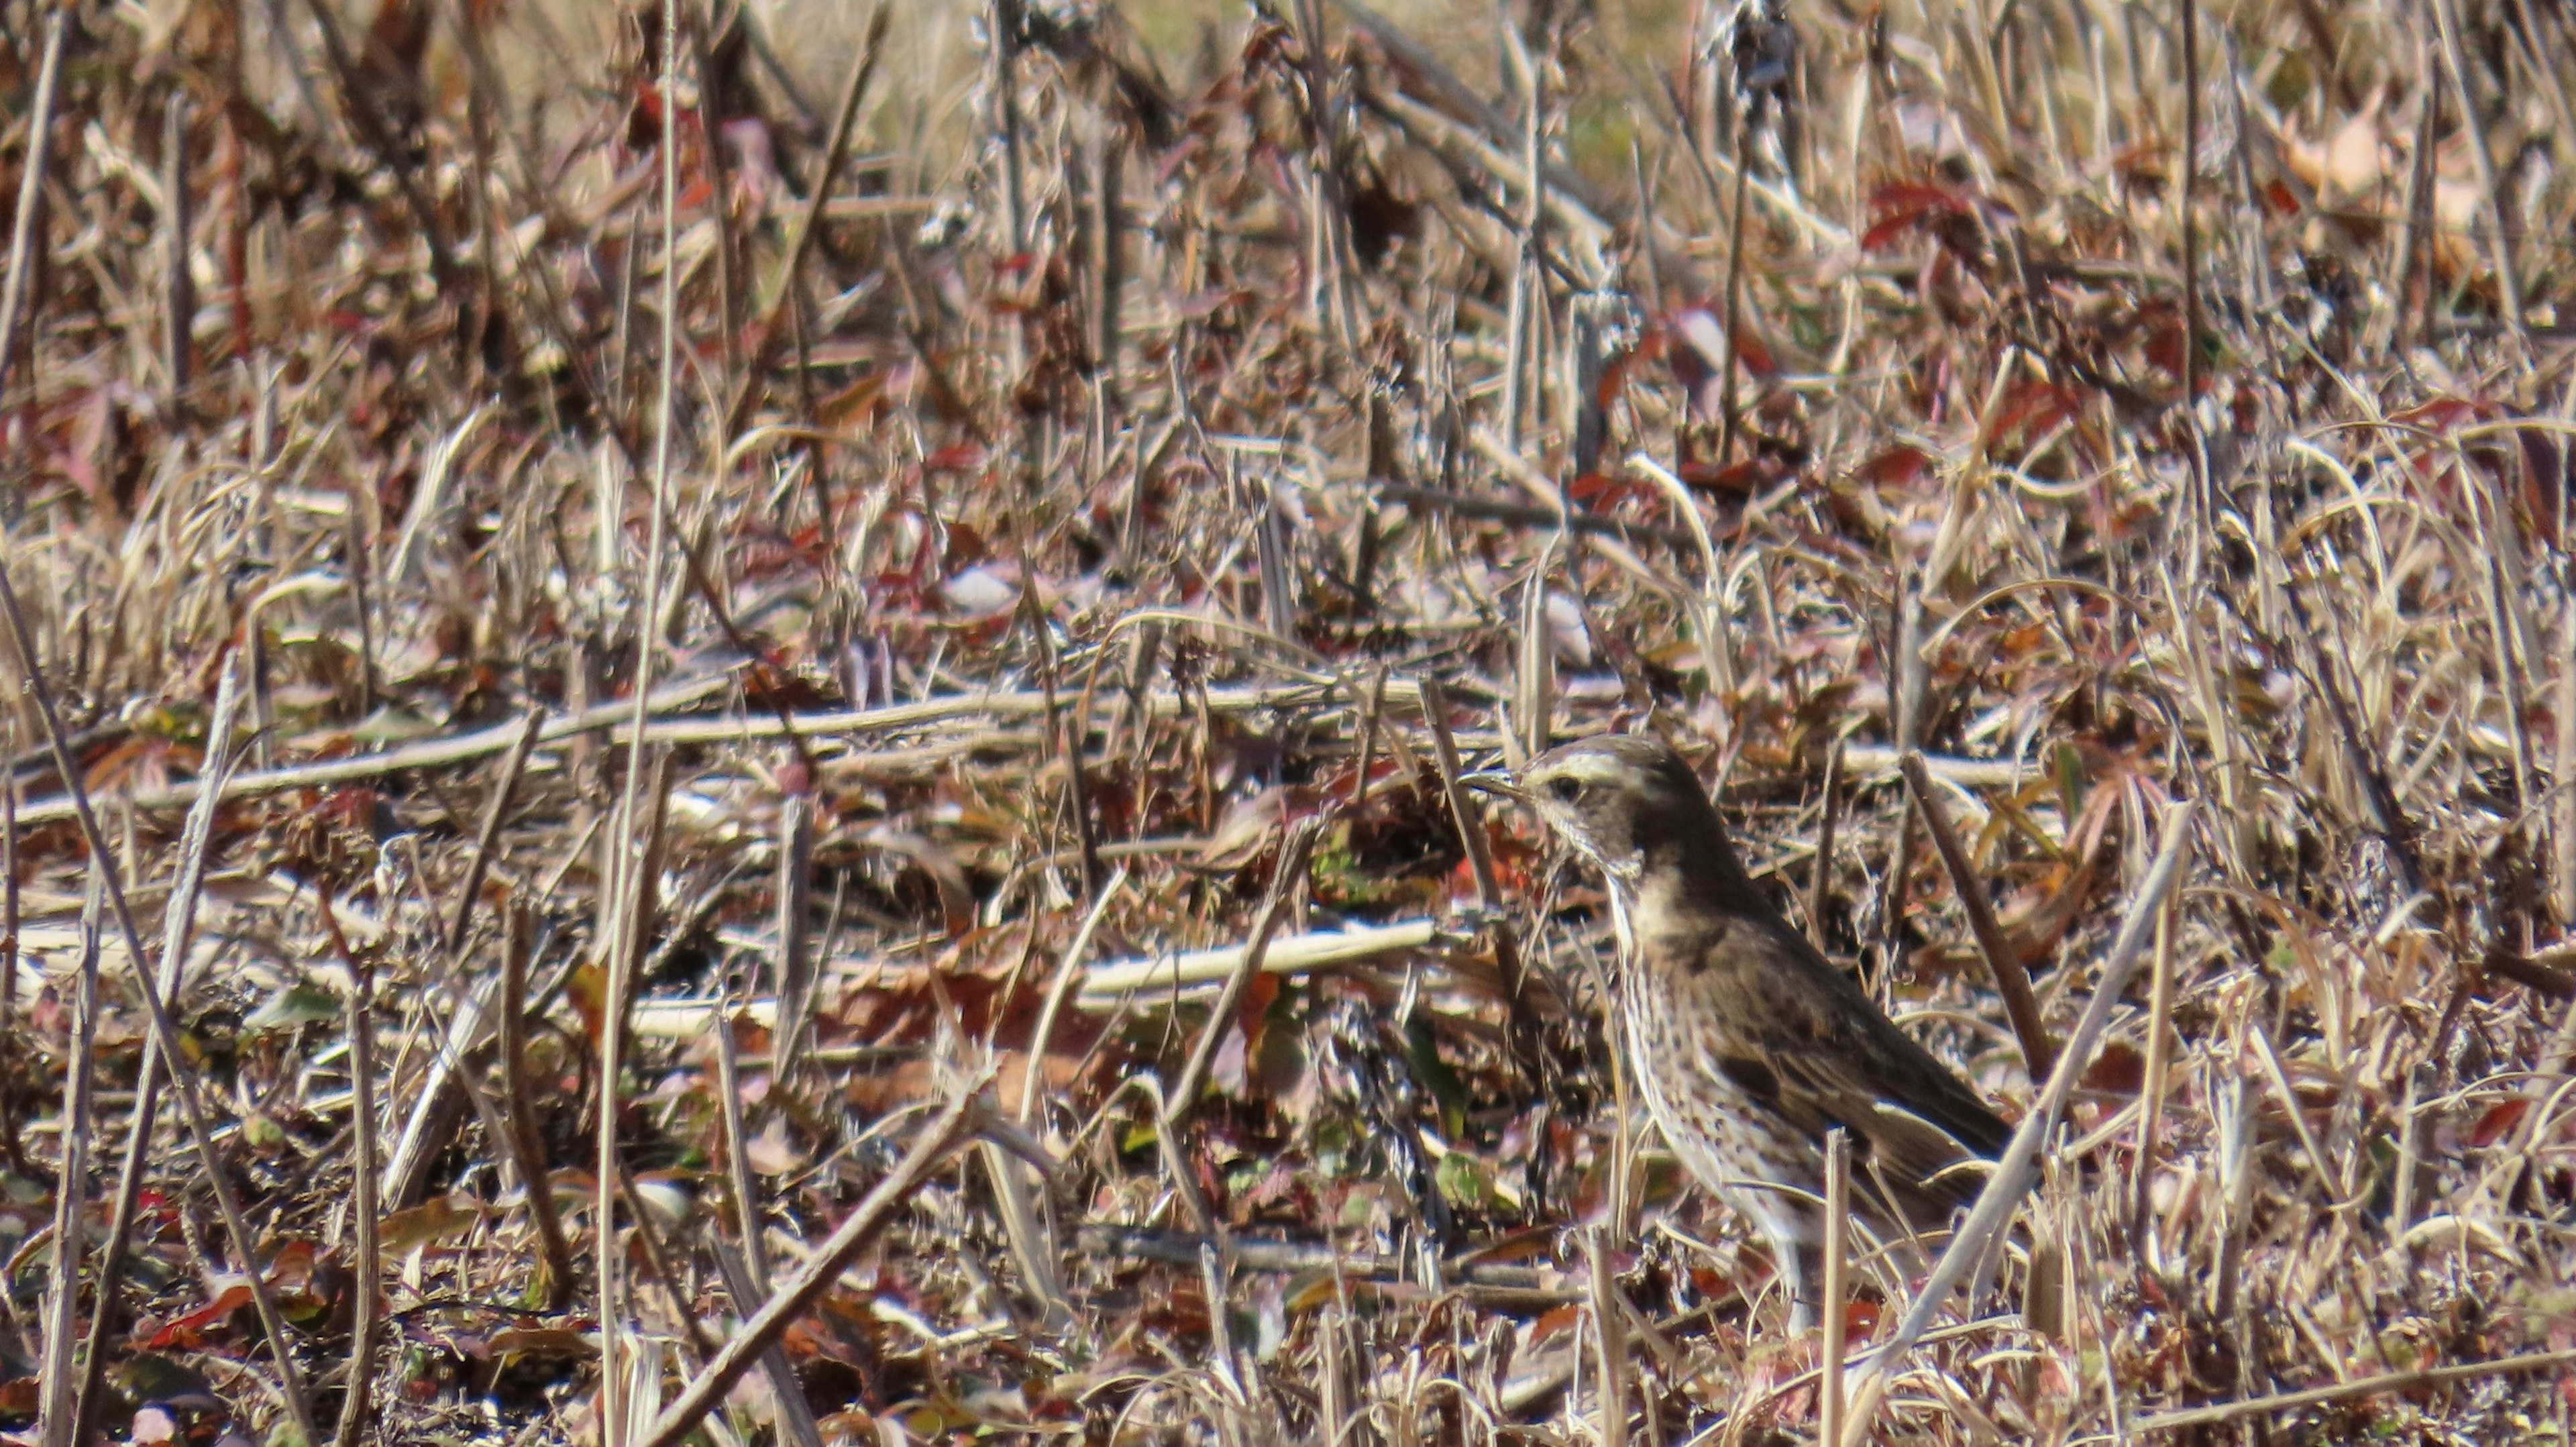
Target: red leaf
1881	234
1552	1321
1598	490
2118	1070
2037	406
1258	993
2164	345
1860	1320
1903	206
292	1269
1756	356
2444	414
2499	1120
1737	479
1896	467
184	1331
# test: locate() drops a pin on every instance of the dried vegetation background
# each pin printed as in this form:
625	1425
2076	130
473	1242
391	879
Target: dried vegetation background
755	582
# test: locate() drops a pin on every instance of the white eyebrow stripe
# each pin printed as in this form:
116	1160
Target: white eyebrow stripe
1591	768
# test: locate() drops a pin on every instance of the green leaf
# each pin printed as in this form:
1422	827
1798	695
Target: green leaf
2291	80
1424	1055
2070	786
295	1005
392	724
1463	1181
153	1377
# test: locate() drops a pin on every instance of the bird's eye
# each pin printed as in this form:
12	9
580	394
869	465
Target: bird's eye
1565	790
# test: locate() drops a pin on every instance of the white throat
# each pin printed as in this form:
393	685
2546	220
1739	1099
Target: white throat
1621	879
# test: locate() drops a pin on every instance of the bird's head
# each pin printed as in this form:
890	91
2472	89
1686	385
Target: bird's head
1623	801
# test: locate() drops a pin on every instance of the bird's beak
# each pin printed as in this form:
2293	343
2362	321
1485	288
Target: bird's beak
1493	781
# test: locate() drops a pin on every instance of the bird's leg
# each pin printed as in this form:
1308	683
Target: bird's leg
1803	1274
1798	1255
1797	1246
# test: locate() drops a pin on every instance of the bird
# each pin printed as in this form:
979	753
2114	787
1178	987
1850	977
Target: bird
1747	1044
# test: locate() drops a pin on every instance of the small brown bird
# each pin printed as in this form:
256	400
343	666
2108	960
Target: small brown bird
1747	1044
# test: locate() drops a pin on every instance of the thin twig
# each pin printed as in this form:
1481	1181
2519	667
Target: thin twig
744	1188
630	921
165	1030
367	1332
2490	211
795	953
658	1268
1061	737
488	833
1536	656
1294	851
1368	746
360	87
1526	1050
1829	1391
526	1139
1609	1336
1520	324
2011	980
1906	669
2151	1097
178	288
31	196
954	1125
1820	882
1108	267
796	1423
623	927
1177	1248
438	1103
1471	829
2409	1381
1068	972
55	1405
769	335
2195	447
1002	20
2018	1166
1296	954
10	1144
1730	416
616	719
178	925
711	140
1015	1199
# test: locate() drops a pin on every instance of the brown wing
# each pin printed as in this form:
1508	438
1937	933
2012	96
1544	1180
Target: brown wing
1812	1045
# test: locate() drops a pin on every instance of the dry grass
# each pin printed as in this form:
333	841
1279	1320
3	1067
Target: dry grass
1050	561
